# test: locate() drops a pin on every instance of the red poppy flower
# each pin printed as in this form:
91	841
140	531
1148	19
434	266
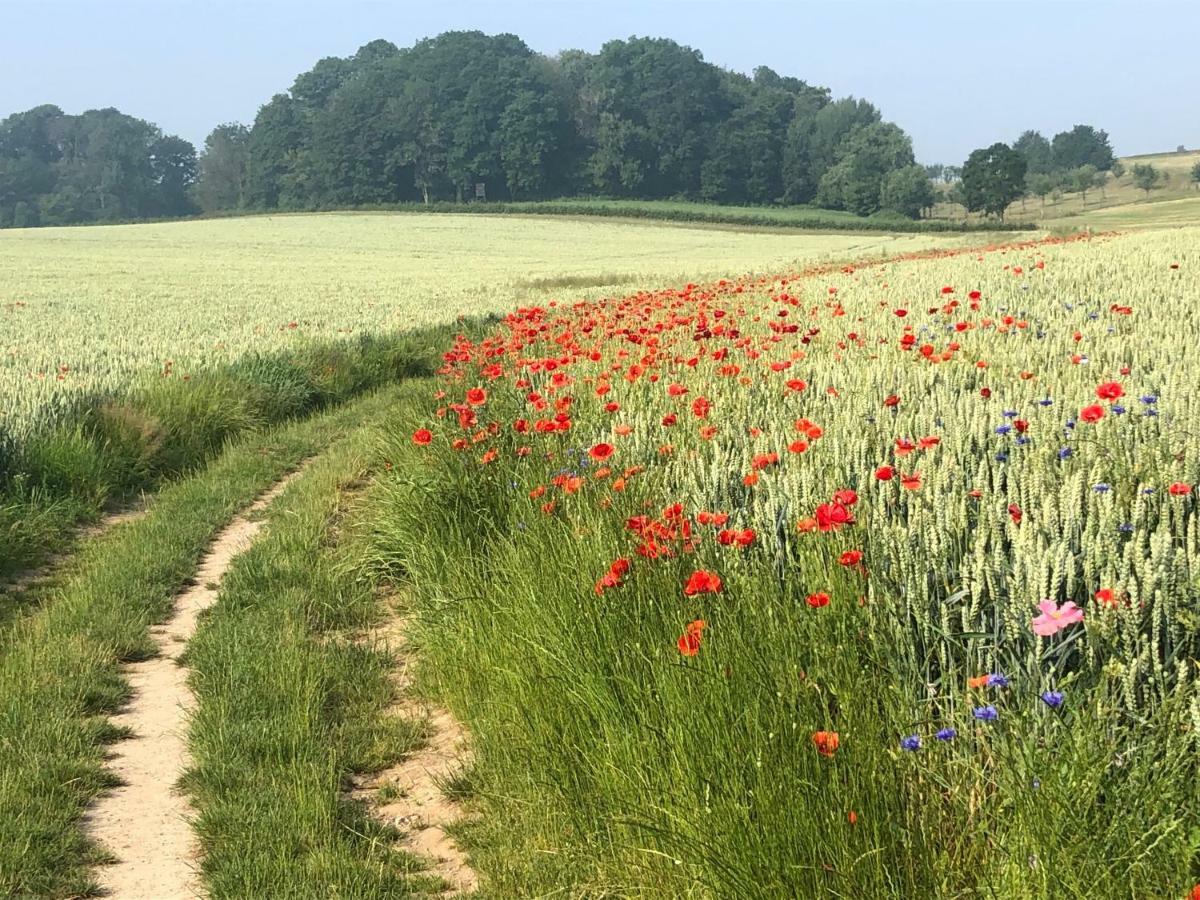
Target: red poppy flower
601	451
1107	596
1179	489
703	582
1015	513
422	436
1110	390
689	641
885	473
911	482
477	396
1092	414
816	601
826	742
832	516
850	558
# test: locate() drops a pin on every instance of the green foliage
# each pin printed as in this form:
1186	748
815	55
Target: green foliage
907	191
992	179
221	184
1036	151
1081	146
1194	175
1146	177
643	118
100	166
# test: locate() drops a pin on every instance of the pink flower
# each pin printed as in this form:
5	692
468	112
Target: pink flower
1055	618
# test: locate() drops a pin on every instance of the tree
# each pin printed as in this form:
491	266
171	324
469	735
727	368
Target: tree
1195	175
1081	146
1041	185
907	191
173	167
992	178
1118	168
1036	151
221	182
1146	177
865	158
1082	180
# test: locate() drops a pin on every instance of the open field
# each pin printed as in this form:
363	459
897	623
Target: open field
90	309
751	564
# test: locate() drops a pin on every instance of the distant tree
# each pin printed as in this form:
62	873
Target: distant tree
951	174
1082	180
865	158
1180	149
1146	177
1081	146
1036	151
1195	175
1118	168
992	178
907	191
173	167
814	141
1041	185
221	183
934	171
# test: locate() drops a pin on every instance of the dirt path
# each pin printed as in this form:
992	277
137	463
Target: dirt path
145	823
416	803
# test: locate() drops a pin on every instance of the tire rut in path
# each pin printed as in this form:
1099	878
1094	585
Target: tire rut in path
146	822
420	807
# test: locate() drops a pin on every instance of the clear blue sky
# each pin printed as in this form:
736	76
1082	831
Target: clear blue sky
955	74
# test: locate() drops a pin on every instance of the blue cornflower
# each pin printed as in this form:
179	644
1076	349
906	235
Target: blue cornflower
1070	423
1053	699
1125	528
1010	414
985	713
1003	429
947	734
997	680
1149	399
1101	488
1147	491
911	743
1001	457
1022	440
1117	410
1065	452
1151	412
1045	401
1093	316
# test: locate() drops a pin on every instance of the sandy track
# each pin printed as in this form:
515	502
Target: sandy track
420	808
146	823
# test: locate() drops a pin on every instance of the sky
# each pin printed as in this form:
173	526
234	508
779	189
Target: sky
955	74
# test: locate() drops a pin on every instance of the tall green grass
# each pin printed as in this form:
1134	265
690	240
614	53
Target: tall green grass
609	765
104	449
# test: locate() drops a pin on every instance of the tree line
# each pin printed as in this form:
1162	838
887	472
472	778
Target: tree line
101	166
466	115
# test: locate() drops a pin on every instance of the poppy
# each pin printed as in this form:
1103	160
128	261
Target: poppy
850	558
689	641
818	600
601	451
422	437
1110	390
477	396
703	582
826	742
1179	489
1092	414
885	473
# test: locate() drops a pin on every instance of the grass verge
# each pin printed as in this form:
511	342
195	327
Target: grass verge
290	702
105	449
59	666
